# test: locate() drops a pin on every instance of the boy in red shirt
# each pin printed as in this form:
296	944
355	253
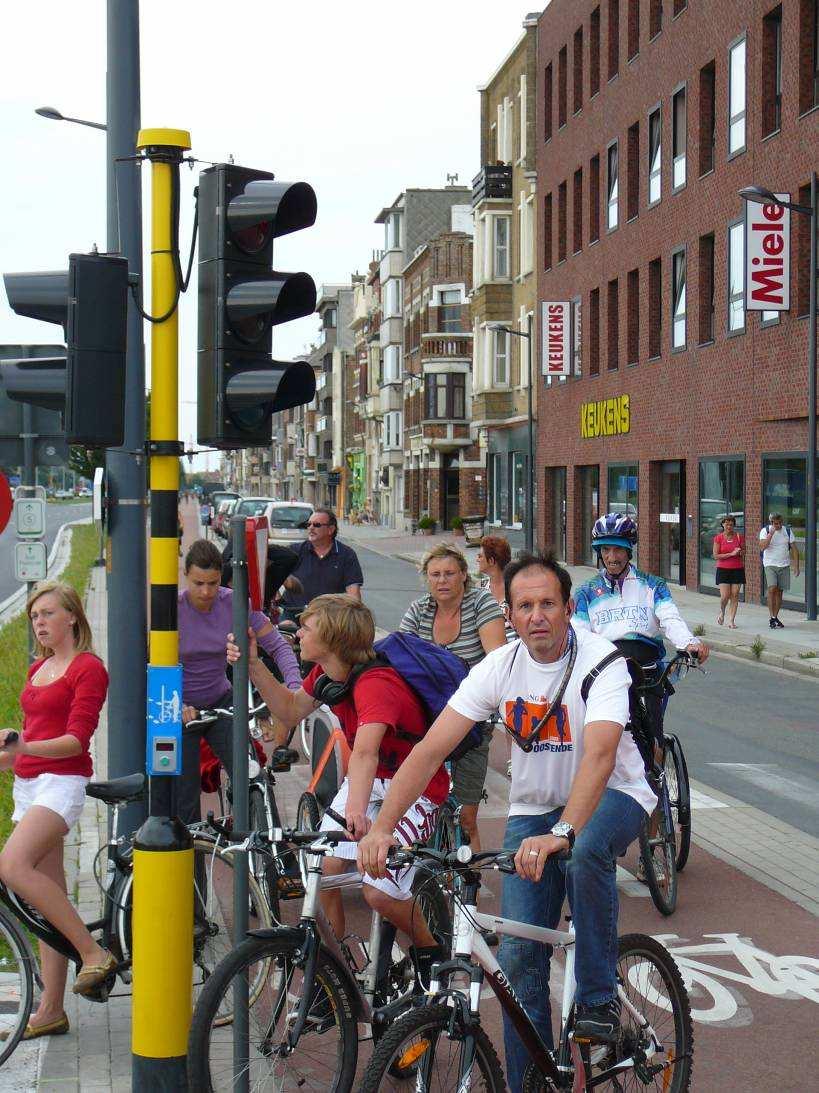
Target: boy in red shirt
382	719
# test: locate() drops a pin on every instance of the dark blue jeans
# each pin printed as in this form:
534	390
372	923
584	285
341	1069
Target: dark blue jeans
589	881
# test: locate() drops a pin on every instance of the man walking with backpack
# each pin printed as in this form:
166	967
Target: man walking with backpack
776	541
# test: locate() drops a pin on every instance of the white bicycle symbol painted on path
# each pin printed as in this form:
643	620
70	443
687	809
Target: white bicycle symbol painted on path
789	977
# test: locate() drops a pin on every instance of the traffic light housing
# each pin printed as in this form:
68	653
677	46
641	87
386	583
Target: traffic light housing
87	384
241	299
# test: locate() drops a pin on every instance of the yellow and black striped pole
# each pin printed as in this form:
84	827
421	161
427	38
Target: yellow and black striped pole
162	925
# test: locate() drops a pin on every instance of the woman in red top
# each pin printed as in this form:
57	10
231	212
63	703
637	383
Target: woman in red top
729	548
61	701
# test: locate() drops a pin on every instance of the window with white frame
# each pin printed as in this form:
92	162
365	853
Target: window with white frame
522	115
518	487
500	358
526	229
736	97
678	138
392	295
577	369
655	155
736	276
508	129
449	310
392	363
500	247
391	436
678	277
612	187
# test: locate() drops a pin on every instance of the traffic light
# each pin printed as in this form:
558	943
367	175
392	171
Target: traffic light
87	384
241	299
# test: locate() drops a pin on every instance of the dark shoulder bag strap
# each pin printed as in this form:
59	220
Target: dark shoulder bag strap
597	670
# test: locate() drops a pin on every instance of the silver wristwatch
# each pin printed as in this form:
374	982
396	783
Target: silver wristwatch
563	831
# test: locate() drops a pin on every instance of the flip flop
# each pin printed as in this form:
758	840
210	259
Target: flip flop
720	619
91	975
52	1028
732	626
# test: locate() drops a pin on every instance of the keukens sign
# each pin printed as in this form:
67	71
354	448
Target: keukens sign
767	256
556	325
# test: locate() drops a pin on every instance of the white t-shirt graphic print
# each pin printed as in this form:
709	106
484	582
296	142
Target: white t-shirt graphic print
509	680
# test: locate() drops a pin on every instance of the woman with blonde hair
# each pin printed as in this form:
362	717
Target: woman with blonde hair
61	701
468	621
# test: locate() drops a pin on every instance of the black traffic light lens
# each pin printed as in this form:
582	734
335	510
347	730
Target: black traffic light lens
253	238
250	328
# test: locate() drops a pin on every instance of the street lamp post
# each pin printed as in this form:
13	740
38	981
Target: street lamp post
529	530
768	197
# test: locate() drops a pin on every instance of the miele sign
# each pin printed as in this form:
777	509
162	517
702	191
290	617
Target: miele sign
767	256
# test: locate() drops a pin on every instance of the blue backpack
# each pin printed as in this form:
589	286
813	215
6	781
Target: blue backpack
434	675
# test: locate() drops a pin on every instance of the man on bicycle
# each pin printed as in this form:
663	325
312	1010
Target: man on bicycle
634	610
581	786
382	718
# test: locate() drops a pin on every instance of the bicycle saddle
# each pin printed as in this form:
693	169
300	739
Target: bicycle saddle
130	788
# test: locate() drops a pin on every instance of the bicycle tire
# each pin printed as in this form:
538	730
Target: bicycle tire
332	1002
679	795
304	737
18	986
384	1069
261	863
659	854
308	812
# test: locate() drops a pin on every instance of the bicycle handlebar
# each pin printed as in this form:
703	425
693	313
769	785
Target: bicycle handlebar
682	657
208	716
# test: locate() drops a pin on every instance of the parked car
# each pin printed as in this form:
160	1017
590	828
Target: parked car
220	524
287	521
215	497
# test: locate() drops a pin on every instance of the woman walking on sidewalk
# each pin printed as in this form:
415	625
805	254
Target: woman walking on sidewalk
729	547
61	702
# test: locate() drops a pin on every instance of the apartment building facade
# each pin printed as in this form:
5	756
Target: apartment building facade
682	404
505	283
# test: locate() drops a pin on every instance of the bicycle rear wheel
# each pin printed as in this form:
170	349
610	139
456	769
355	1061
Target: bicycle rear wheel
418	1053
16	985
261	864
679	797
659	854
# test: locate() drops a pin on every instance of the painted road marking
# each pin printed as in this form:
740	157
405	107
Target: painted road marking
766	776
703	800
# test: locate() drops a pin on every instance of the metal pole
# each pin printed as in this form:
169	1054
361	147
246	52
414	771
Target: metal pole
810	522
29	473
239	784
530	483
125	466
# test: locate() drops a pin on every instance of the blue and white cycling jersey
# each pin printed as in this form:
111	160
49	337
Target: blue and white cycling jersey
636	606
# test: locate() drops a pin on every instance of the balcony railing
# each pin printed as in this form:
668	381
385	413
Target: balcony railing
457	346
492	181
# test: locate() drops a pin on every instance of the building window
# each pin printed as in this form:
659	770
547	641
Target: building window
772	71
561	222
526	225
391	435
547	232
518	461
445	396
678	139
577	211
614	38
613	317
392	363
736	276
736	97
547	103
655	155
633	317
611	187
722	491
633	172
655	308
678	276
449	311
594	332
498	487
708	117
577	331
633	28
808	55
562	79
706	289
329	319
578	69
392	298
594	199
392	232
594	52
655	18
501	247
623	488
500	359
784	490
522	146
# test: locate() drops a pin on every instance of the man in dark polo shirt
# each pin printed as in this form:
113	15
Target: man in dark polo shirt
324	566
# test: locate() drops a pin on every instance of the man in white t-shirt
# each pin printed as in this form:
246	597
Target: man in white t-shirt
582	785
778	548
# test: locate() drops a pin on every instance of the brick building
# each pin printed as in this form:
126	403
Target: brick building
682	405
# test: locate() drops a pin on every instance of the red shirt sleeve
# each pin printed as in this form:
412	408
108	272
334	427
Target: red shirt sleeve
90	685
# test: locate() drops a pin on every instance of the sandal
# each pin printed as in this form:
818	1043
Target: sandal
732	626
51	1028
91	975
720	618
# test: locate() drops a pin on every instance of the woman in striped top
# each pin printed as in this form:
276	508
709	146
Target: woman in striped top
468	622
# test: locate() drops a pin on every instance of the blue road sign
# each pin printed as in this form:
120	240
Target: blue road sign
164	735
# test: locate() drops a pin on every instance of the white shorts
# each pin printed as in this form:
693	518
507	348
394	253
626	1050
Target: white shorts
62	793
416	825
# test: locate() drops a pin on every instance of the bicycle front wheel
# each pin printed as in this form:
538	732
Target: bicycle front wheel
16	985
658	849
417	1052
679	797
325	1056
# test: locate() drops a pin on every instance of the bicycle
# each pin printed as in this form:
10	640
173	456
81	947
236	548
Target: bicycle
303	1025
213	917
665	837
444	1047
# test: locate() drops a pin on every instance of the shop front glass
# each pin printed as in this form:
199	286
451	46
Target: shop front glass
589	509
671	492
722	491
783	491
623	483
557	493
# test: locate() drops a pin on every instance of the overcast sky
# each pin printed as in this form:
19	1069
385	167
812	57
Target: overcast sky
360	99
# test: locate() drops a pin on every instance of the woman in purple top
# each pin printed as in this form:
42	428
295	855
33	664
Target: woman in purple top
205	618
